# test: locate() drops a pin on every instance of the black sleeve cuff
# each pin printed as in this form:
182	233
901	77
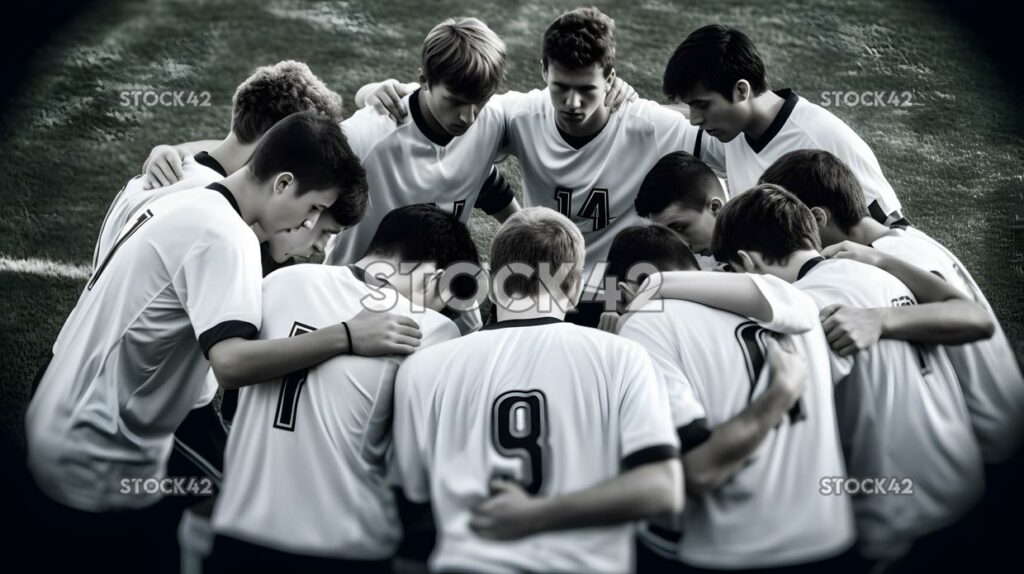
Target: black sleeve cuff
226	330
650	454
693	435
495	194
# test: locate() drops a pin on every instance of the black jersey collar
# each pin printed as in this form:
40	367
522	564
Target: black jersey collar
205	159
780	120
807	266
433	135
522	323
227	195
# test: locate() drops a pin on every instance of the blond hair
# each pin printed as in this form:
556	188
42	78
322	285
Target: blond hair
466	56
536	236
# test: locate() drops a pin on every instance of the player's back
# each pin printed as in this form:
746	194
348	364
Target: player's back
901	414
304	468
555	406
718	358
133	197
988	371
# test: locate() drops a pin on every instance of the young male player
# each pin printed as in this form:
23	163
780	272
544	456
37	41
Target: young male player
182	284
304	479
987	369
586	411
900	409
754	447
719	74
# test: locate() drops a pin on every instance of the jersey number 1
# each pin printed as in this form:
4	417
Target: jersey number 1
519	425
291	388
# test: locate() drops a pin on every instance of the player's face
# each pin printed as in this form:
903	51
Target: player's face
696	227
578	96
303	242
720	117
288	210
453	112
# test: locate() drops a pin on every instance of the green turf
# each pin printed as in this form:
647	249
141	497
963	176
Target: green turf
67	145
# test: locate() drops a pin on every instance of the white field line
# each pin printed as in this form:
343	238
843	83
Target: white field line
45	268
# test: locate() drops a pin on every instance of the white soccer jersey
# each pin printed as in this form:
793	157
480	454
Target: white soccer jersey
410	163
304	468
594	186
127	366
197	171
802	125
714	363
901	415
991	379
585	405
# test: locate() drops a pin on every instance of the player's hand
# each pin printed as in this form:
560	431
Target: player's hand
609	322
619	93
387	98
163	167
850	250
850	329
377	333
787	367
648	291
509	514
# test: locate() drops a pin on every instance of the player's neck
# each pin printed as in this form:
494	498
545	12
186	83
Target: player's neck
791	270
232	154
542	307
594	124
867	231
428	114
764	109
245	190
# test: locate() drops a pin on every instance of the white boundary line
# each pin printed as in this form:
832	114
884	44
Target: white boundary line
45	268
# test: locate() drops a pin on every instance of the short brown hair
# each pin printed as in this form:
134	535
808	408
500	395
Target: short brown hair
766	219
820	179
533	236
466	56
274	92
581	38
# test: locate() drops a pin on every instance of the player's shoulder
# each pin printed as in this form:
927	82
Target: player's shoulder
825	129
514	105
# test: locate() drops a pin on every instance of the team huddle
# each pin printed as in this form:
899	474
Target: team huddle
704	320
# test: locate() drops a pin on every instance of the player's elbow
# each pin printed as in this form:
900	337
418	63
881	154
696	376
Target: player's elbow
701	479
976	323
227	367
663	492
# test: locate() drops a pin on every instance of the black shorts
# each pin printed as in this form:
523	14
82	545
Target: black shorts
849	562
234	555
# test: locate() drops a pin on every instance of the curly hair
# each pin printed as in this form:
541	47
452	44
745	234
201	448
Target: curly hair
273	92
581	38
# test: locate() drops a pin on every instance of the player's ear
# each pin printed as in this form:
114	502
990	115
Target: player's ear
422	79
741	91
821	216
628	292
544	71
715	204
745	262
283	181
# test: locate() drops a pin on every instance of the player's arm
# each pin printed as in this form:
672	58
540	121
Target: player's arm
163	166
944	316
238	362
647	491
725	450
496	197
761	299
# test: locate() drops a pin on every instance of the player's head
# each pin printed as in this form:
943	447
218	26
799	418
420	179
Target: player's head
578	63
718	72
462	65
758	230
682	193
302	167
637	251
532	244
274	92
825	184
426	242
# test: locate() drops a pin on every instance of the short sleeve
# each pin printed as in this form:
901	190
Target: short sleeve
645	419
408	467
219	284
495	193
881	199
672	131
793	311
366	127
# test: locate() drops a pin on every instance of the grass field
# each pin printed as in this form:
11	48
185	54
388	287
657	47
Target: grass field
67	144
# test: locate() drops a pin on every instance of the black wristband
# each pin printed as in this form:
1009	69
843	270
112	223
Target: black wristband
351	347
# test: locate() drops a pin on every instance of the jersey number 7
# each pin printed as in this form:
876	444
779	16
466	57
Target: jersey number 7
291	388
